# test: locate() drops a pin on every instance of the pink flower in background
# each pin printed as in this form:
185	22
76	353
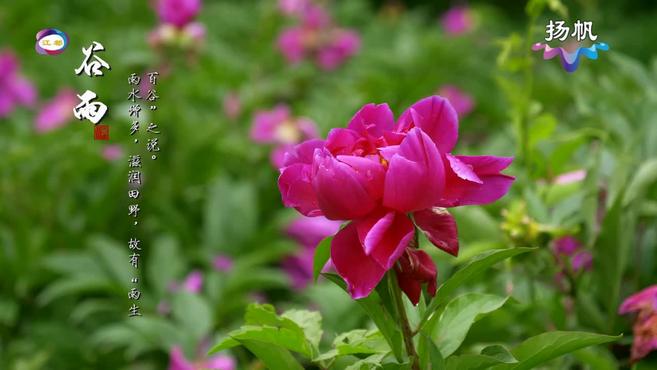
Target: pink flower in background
645	324
112	152
57	112
177	361
460	100
193	283
222	263
232	105
457	20
293	7
277	126
15	90
375	173
570	177
318	38
177	26
178	12
308	232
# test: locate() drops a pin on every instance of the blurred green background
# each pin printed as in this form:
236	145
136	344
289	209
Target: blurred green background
64	226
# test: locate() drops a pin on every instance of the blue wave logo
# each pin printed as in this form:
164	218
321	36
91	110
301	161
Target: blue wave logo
570	61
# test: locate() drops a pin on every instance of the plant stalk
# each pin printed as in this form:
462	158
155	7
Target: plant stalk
403	318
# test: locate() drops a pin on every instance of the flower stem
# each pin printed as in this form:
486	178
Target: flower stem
403	318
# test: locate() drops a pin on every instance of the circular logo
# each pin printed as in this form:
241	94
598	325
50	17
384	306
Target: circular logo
51	41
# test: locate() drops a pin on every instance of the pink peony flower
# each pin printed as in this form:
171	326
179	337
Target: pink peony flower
178	12
112	152
318	38
645	325
375	173
177	361
307	231
15	90
278	127
222	263
460	100
645	300
57	112
457	20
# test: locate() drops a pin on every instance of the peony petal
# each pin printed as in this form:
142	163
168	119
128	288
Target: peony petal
436	117
297	190
220	362
415	177
440	228
303	153
414	269
461	190
372	119
645	298
385	236
177	360
360	272
347	187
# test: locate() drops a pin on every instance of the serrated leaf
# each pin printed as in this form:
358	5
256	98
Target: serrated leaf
309	321
193	313
274	357
375	309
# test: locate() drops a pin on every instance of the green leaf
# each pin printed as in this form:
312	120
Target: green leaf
273	356
468	273
164	264
375	309
368	363
610	253
430	356
548	346
193	313
322	255
309	321
499	352
263	325
459	315
645	177
472	362
360	341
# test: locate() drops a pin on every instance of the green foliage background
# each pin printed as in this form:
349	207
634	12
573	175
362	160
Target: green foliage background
64	272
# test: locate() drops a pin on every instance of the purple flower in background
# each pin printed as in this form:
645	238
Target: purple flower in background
112	152
645	325
278	127
318	38
566	246
177	361
457	20
57	112
460	100
308	232
15	90
582	261
178	12
193	283
571	257
222	263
